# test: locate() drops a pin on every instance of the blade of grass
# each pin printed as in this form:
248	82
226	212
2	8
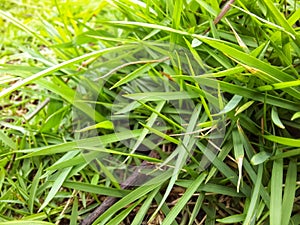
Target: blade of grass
238	148
243	107
287	154
183	200
170	121
95	189
108	174
283	140
159	96
232	219
135	74
33	189
74	145
289	192
275	118
55	187
278	86
139	217
276	191
74	214
212	188
250	214
150	123
184	149
7	141
260	158
162	135
231	104
165	208
196	208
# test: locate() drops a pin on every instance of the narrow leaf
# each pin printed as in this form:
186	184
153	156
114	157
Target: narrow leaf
283	140
183	200
55	187
260	158
289	192
231	104
276	192
275	118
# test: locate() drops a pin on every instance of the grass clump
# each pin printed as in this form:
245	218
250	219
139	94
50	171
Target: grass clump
198	99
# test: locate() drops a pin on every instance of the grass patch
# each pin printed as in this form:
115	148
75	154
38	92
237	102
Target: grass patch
198	99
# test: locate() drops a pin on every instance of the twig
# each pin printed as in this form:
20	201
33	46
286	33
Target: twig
11	162
38	109
224	10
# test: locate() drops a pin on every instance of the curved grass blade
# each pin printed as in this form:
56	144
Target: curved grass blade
275	118
231	104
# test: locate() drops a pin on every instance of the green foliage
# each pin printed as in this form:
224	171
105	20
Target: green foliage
67	66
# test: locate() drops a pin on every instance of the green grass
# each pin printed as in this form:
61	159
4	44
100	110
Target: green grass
88	88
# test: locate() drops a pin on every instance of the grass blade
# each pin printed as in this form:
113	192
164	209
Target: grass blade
55	187
275	118
289	192
74	214
33	189
276	192
183	200
231	104
75	145
283	140
250	214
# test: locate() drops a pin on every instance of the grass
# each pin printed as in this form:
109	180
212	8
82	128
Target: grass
91	92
